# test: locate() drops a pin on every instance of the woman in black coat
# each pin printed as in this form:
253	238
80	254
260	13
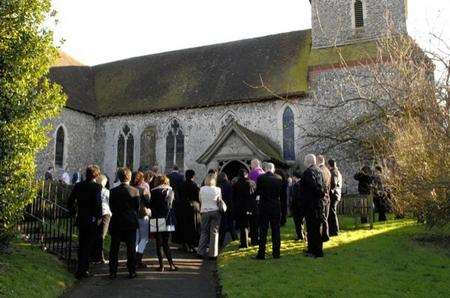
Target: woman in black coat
162	197
244	203
190	212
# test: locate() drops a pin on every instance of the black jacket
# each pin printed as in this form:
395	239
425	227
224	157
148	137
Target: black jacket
364	183
244	197
312	188
161	202
85	201
297	200
189	195
269	188
176	181
124	203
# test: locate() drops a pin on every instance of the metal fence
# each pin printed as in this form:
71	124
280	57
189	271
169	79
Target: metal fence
48	222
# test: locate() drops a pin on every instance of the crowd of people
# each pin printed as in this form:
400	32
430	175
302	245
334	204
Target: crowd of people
148	205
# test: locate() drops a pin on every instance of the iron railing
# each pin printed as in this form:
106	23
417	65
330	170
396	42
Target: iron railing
48	223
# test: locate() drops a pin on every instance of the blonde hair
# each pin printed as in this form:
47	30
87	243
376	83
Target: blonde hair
211	180
162	180
102	180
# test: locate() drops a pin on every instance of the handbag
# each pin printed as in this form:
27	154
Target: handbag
222	205
160	225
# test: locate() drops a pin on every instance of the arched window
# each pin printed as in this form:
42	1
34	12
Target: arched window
59	147
288	134
359	14
125	148
175	146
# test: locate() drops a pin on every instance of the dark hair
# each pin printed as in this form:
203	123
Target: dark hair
297	174
124	174
92	172
175	168
379	168
242	173
332	163
221	178
190	174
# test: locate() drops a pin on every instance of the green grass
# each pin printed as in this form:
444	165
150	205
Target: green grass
385	261
30	272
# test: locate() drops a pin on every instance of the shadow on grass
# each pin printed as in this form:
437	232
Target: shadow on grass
384	261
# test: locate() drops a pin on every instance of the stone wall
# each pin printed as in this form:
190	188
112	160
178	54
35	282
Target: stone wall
333	20
200	127
80	142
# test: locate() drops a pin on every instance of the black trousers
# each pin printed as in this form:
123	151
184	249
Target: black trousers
299	215
86	238
254	229
333	222
275	222
314	220
129	237
226	226
325	213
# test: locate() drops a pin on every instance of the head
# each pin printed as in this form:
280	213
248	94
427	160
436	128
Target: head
255	163
221	178
212	171
320	160
175	168
162	181
155	169
92	172
50	169
242	173
102	180
124	175
366	170
332	163
138	178
210	180
269	167
310	160
148	176
190	174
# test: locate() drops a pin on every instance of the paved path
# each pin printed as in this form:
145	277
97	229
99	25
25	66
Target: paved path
194	278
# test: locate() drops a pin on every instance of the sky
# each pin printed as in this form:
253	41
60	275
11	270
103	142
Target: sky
100	31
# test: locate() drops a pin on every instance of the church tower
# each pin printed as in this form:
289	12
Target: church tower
338	22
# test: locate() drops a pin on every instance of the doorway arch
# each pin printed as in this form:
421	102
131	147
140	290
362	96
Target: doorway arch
232	167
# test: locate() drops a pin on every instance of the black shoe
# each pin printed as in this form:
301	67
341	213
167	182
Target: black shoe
132	275
160	269
212	258
243	246
276	257
309	255
258	257
81	275
112	275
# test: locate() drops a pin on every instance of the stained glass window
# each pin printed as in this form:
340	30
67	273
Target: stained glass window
120	151
59	147
180	150
288	134
148	148
130	151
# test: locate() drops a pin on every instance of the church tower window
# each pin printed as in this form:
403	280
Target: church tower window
288	134
59	147
148	147
175	146
125	148
359	14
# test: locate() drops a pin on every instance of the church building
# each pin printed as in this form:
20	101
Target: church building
205	107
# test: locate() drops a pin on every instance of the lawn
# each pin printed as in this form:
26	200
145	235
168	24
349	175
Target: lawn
30	272
385	261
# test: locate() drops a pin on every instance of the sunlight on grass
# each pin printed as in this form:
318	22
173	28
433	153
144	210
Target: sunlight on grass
382	261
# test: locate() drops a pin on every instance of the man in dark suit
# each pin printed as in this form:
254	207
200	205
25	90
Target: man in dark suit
312	192
176	181
85	202
269	189
124	203
297	207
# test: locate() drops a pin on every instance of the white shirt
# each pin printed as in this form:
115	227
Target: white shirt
105	202
65	177
208	197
